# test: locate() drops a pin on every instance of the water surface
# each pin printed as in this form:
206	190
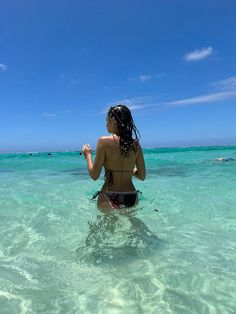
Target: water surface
174	253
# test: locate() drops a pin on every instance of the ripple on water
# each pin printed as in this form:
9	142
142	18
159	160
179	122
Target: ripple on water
58	254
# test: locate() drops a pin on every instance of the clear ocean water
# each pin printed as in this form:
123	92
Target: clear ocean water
174	253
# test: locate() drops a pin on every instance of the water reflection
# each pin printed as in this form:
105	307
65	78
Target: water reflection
115	238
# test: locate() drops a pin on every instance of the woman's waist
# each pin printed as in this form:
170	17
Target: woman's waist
126	188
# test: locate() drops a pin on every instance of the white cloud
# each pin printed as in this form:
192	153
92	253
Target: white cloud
3	67
136	107
228	84
215	97
143	78
198	54
134	103
49	114
226	91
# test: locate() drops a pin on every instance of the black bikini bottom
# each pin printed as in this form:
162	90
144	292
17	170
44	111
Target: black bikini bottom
119	200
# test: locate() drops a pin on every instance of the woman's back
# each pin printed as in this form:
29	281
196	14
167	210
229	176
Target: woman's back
118	169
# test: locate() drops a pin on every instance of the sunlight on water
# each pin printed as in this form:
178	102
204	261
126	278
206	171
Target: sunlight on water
174	253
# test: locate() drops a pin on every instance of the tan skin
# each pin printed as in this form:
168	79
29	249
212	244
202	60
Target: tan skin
108	156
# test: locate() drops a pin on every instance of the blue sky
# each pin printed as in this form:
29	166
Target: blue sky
62	63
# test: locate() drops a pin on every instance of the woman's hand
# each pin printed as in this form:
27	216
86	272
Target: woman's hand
86	150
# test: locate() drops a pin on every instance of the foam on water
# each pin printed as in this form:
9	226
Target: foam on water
174	253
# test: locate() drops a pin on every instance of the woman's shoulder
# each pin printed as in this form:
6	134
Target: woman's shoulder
103	140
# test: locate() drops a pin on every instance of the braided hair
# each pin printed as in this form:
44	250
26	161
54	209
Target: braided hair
126	129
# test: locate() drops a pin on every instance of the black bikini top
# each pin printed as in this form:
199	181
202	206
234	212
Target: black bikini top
108	174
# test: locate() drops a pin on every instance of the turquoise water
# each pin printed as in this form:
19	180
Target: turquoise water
175	253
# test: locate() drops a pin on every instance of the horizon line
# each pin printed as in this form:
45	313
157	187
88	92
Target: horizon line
78	151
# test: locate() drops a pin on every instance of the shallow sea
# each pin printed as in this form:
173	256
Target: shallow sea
174	253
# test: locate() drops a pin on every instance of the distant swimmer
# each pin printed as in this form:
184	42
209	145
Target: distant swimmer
225	159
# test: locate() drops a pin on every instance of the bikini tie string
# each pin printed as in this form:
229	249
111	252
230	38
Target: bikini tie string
95	195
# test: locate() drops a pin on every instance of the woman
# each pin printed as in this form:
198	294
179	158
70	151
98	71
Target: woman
121	156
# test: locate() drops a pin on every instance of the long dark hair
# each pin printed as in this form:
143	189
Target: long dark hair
128	133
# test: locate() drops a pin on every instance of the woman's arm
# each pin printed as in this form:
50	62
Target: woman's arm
140	170
96	167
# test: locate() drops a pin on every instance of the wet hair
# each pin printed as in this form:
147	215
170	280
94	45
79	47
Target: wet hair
129	134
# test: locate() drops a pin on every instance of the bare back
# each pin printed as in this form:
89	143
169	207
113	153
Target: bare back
121	168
